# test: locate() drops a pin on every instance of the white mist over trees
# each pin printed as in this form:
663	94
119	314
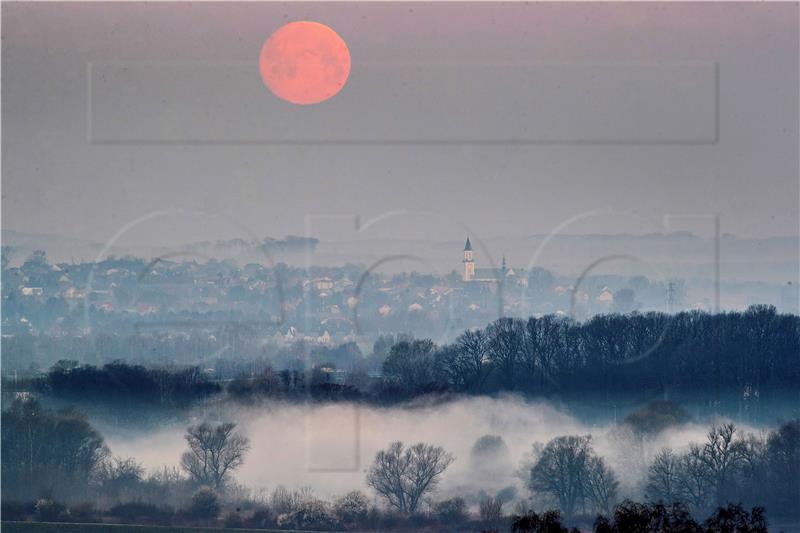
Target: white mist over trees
573	469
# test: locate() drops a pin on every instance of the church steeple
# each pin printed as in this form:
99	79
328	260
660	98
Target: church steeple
469	262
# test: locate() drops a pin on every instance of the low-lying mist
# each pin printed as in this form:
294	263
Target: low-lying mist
330	446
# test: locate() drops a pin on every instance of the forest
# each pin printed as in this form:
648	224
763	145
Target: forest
749	356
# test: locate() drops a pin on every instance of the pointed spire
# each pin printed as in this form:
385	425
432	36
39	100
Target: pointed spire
468	246
504	261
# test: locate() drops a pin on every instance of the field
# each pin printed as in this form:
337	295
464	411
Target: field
51	527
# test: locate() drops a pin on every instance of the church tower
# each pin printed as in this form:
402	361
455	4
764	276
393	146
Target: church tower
469	262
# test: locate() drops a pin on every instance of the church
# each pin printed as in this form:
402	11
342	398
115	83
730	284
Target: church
487	275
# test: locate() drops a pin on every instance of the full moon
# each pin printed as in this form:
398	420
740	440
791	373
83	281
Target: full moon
304	62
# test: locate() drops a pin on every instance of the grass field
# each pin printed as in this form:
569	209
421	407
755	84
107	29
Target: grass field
51	527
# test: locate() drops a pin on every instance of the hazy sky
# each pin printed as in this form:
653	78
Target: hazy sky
504	118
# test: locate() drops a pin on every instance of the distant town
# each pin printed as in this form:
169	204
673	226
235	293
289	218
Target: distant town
322	305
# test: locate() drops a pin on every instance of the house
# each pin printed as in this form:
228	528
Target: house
323	284
31	291
73	294
606	297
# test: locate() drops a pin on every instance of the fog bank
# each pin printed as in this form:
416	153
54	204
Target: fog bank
329	447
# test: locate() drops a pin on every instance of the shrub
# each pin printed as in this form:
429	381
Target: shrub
352	508
383	520
119	474
630	516
418	521
547	522
50	511
83	513
233	520
17	511
452	511
285	501
312	513
735	518
261	519
205	504
138	512
491	511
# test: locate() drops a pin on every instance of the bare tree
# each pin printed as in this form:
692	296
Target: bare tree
694	478
723	455
782	467
569	472
119	474
559	471
285	501
707	473
48	448
474	362
532	351
491	512
507	341
663	478
410	365
404	475
465	364
600	485
214	452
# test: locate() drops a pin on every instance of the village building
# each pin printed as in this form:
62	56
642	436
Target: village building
486	275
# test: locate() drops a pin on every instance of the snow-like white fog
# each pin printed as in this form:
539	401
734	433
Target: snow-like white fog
329	447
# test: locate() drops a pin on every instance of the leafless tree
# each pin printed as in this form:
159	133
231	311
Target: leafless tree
723	455
663	477
531	353
491	512
507	340
782	466
570	473
694	478
545	349
119	474
285	501
214	452
752	475
472	364
404	475
410	365
600	484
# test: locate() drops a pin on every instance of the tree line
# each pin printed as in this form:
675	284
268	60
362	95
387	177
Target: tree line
748	355
751	353
637	517
120	383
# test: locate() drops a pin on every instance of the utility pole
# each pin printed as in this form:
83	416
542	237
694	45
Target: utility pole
670	297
